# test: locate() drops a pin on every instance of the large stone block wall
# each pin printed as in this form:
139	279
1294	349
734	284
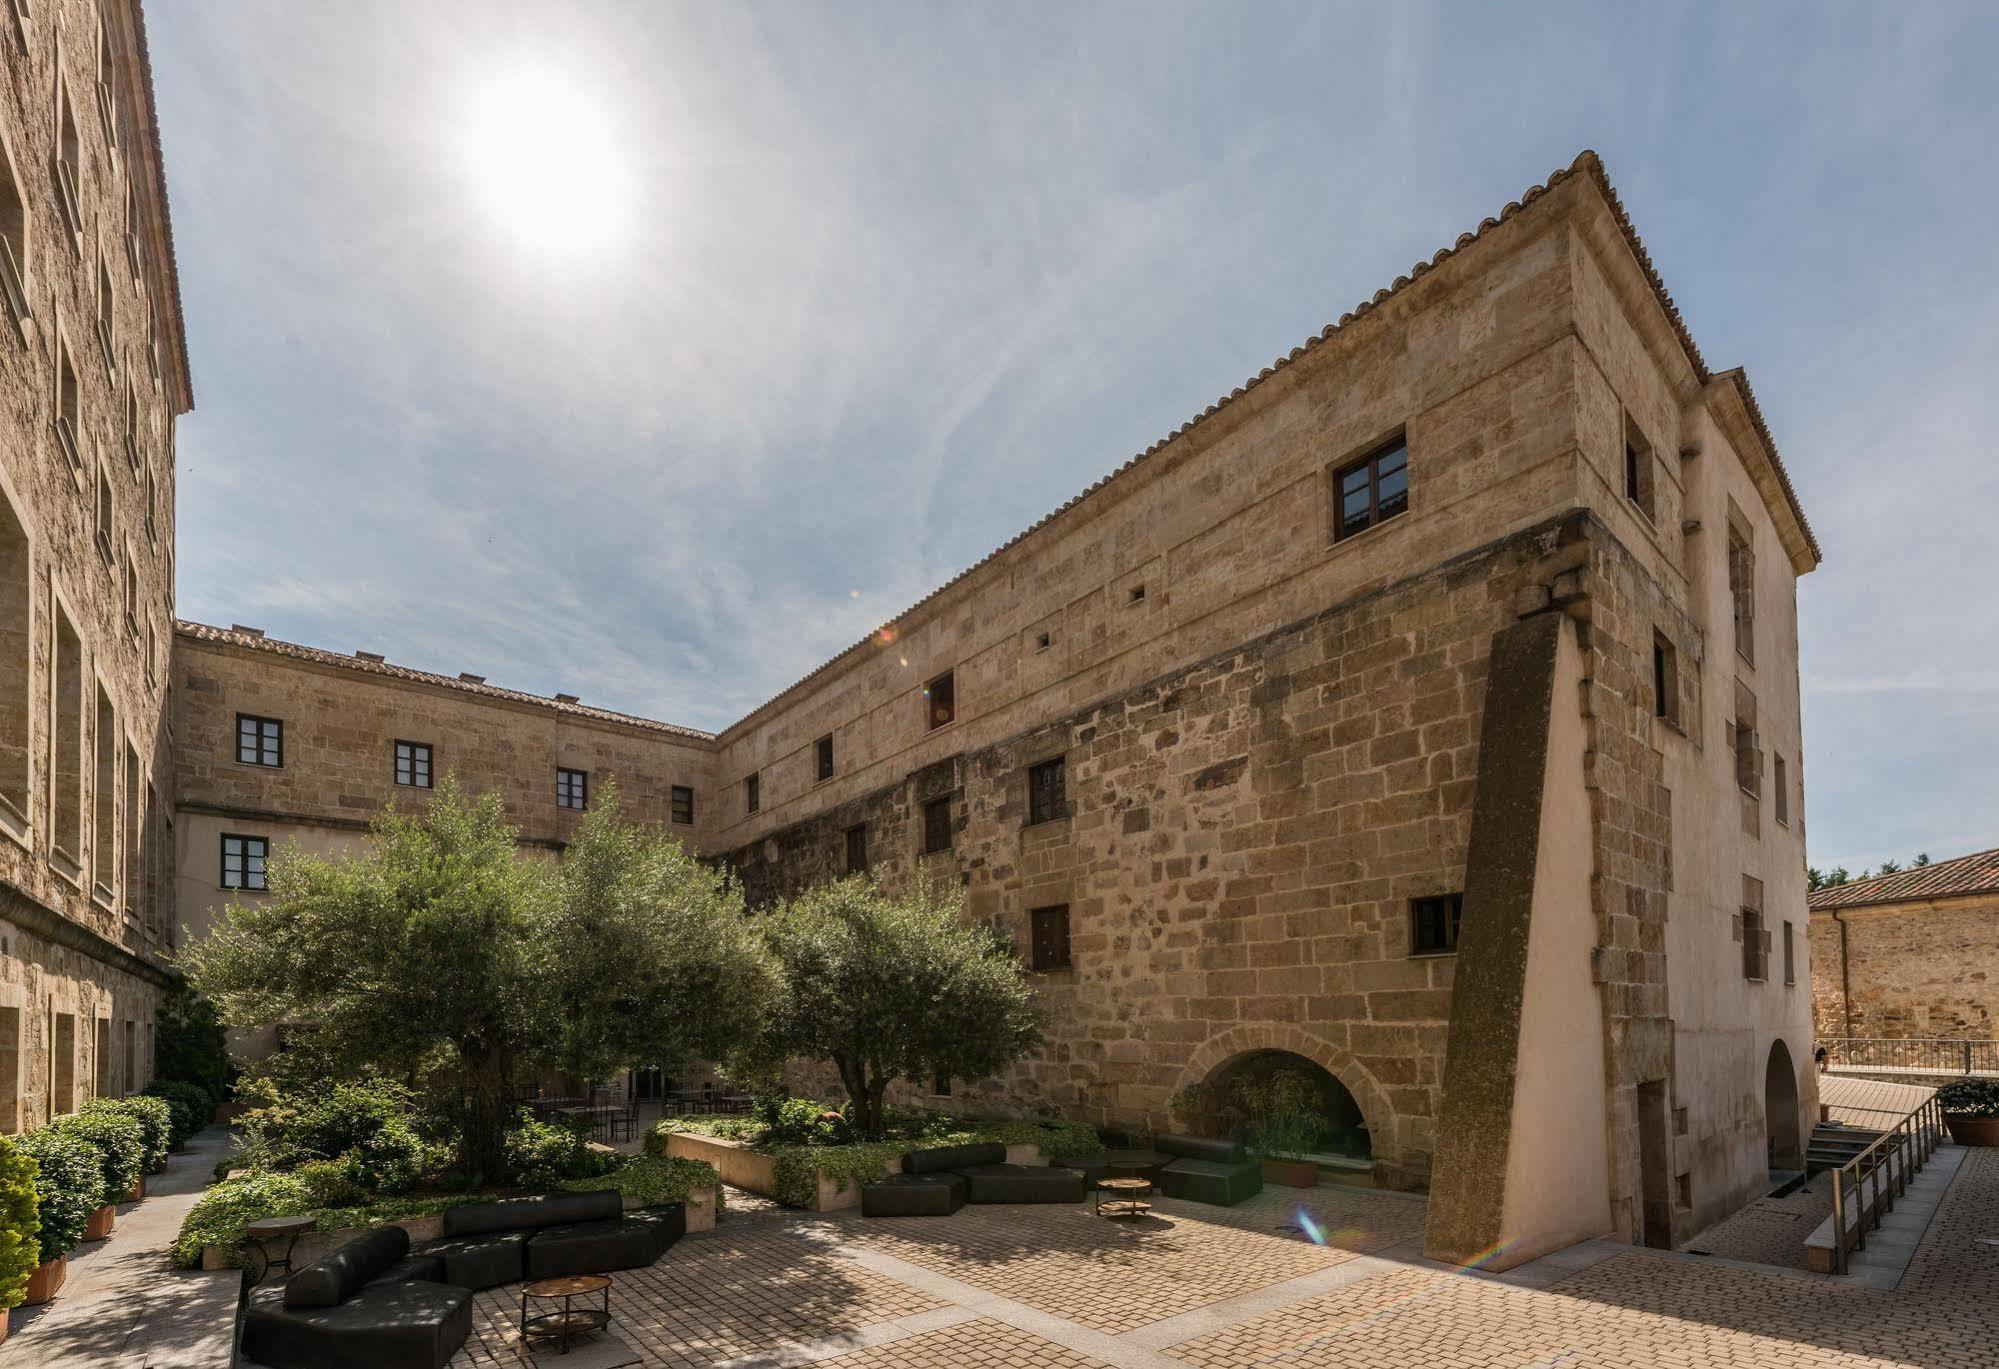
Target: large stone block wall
1242	844
1908	970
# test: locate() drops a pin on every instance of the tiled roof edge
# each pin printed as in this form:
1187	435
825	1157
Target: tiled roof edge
1958	877
143	54
208	633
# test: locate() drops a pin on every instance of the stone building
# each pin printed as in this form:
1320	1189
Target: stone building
1423	714
94	371
1912	954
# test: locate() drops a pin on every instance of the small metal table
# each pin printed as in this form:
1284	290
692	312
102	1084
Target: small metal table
1126	1193
267	1231
572	1321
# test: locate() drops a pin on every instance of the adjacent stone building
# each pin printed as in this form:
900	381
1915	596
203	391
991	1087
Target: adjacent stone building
93	372
1422	714
1912	954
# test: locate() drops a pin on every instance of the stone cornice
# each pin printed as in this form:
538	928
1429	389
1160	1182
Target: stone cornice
36	918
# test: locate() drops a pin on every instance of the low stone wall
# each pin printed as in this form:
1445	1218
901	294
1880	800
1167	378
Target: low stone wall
754	1171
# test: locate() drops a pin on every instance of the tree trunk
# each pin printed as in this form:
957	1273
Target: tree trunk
483	1145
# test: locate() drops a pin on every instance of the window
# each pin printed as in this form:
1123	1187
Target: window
682	800
824	747
1742	590
133	833
11	1120
1790	956
1043	640
152	509
16	654
67	772
940	1084
243	861
104	513
131	593
1135	595
62	1065
1047	792
940	700
413	764
936	826
572	788
1049	936
104	824
752	795
1780	782
67	422
857	849
1433	924
69	158
1372	490
107	317
107	94
13	248
260	741
1755	946
1743	737
101	1083
1665	680
132	427
1638	467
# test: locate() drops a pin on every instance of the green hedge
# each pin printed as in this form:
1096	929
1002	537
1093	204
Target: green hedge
315	1190
69	1186
119	1143
192	1104
653	1179
155	1120
20	1224
1970	1097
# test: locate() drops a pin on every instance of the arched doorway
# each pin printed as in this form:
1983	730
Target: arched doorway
1224	1100
1780	1110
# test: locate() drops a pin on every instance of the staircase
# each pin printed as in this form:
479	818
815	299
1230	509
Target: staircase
1833	1144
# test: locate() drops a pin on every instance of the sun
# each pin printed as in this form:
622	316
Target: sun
547	162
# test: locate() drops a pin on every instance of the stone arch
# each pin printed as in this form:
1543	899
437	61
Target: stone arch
1250	1038
1780	1109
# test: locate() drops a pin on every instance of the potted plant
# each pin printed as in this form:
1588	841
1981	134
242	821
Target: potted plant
69	1186
20	1229
1285	1125
121	1157
1971	1111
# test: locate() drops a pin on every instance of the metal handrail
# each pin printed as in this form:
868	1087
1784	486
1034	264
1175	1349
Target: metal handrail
1879	1174
1936	1055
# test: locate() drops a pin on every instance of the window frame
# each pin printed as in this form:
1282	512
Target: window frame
1370	462
1451	906
931	846
823	761
674	794
1665	679
258	747
1055	916
1040	812
429	759
572	789
949	708
852	838
263	856
752	793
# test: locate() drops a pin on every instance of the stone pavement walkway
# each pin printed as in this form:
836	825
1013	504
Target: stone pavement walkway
1202	1286
123	1306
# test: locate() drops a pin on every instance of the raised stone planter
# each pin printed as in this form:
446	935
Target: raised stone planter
98	1228
46	1281
748	1169
314	1244
700	1209
1967	1130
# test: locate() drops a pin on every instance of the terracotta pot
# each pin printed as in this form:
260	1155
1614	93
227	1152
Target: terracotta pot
46	1281
101	1221
1292	1173
1967	1130
6	1316
138	1193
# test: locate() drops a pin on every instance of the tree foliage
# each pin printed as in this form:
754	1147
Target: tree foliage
443	957
892	987
1816	879
189	1043
20	1225
69	1186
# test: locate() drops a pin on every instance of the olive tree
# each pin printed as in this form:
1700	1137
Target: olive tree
894	986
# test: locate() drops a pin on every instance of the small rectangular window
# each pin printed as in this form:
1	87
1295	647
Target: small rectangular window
940	699
752	797
1755	946
67	420
824	748
1043	640
1665	679
1742	590
413	764
1371	490
941	1085
260	741
857	849
243	860
1790	956
936	826
1638	468
1135	595
682	800
1780	782
572	788
1049	933
1433	924
1047	791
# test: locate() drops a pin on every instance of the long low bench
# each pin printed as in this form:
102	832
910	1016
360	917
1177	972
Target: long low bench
939	1181
376	1302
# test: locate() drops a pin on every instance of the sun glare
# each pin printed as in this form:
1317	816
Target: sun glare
547	162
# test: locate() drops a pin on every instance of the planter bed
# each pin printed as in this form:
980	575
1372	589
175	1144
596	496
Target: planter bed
756	1171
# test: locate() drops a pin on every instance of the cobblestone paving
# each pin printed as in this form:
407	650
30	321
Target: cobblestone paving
1055	1286
1770	1230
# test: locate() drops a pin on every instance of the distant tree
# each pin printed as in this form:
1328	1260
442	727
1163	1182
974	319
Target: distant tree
894	987
1814	878
1922	859
1889	867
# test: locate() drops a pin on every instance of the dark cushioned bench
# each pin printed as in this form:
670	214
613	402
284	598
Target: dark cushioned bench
940	1180
913	1195
1208	1171
508	1239
347	1310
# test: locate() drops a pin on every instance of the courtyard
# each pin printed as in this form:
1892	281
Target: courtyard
1198	1285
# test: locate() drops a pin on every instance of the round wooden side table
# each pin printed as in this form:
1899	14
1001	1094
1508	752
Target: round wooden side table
1124	1195
572	1321
267	1231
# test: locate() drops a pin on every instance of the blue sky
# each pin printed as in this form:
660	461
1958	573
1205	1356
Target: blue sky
874	286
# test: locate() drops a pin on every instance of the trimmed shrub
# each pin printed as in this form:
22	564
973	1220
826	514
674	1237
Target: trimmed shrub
1970	1097
155	1118
69	1186
653	1180
193	1106
20	1224
120	1147
365	1126
222	1213
547	1154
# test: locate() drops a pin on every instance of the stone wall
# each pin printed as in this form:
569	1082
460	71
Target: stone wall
1928	969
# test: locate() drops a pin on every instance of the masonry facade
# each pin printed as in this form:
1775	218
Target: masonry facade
1426	710
93	373
1913	954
